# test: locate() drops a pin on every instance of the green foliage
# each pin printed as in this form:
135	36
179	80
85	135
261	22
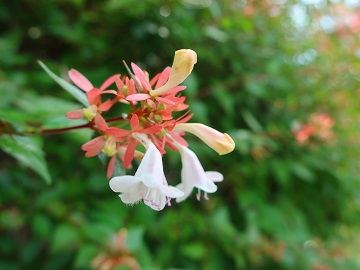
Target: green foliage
282	205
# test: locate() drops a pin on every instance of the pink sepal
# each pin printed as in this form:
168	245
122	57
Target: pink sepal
94	146
165	101
80	80
78	114
109	81
105	106
163	77
129	153
111	167
100	122
138	97
141	76
134	122
117	132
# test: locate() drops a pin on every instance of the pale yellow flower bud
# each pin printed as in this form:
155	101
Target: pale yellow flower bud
182	66
220	142
109	147
90	112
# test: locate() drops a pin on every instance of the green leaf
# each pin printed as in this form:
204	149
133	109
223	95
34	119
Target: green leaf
65	237
85	255
195	251
27	150
252	122
302	171
76	92
134	239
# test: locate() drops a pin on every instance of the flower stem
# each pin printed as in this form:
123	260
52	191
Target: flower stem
88	125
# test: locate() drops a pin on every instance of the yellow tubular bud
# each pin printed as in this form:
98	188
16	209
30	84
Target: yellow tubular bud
90	112
182	66
220	142
109	147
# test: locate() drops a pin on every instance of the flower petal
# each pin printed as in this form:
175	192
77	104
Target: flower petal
131	197
171	191
186	189
124	183
182	66
192	171
214	176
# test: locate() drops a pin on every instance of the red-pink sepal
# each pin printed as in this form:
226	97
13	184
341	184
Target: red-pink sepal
111	167
94	146
105	106
80	80
77	114
100	122
117	132
109	81
138	97
141	76
129	153
94	96
164	76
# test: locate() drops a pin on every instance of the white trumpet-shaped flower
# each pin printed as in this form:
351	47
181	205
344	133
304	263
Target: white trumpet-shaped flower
148	183
194	176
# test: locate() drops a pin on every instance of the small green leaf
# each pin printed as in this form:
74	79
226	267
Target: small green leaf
65	237
252	122
28	152
76	92
134	239
119	169
195	251
302	171
85	255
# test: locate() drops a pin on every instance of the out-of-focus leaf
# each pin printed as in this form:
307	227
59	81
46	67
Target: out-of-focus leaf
65	236
302	171
74	91
14	117
134	239
224	98
45	107
85	255
281	171
252	121
194	250
41	225
28	152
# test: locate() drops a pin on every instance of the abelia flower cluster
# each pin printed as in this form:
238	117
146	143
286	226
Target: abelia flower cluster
150	121
319	126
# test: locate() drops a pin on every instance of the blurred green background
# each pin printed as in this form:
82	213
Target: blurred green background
280	76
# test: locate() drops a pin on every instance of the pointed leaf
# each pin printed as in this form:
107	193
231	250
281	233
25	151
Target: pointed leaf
28	152
76	92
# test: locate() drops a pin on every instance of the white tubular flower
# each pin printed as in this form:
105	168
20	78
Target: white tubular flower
194	176
148	183
220	142
182	66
